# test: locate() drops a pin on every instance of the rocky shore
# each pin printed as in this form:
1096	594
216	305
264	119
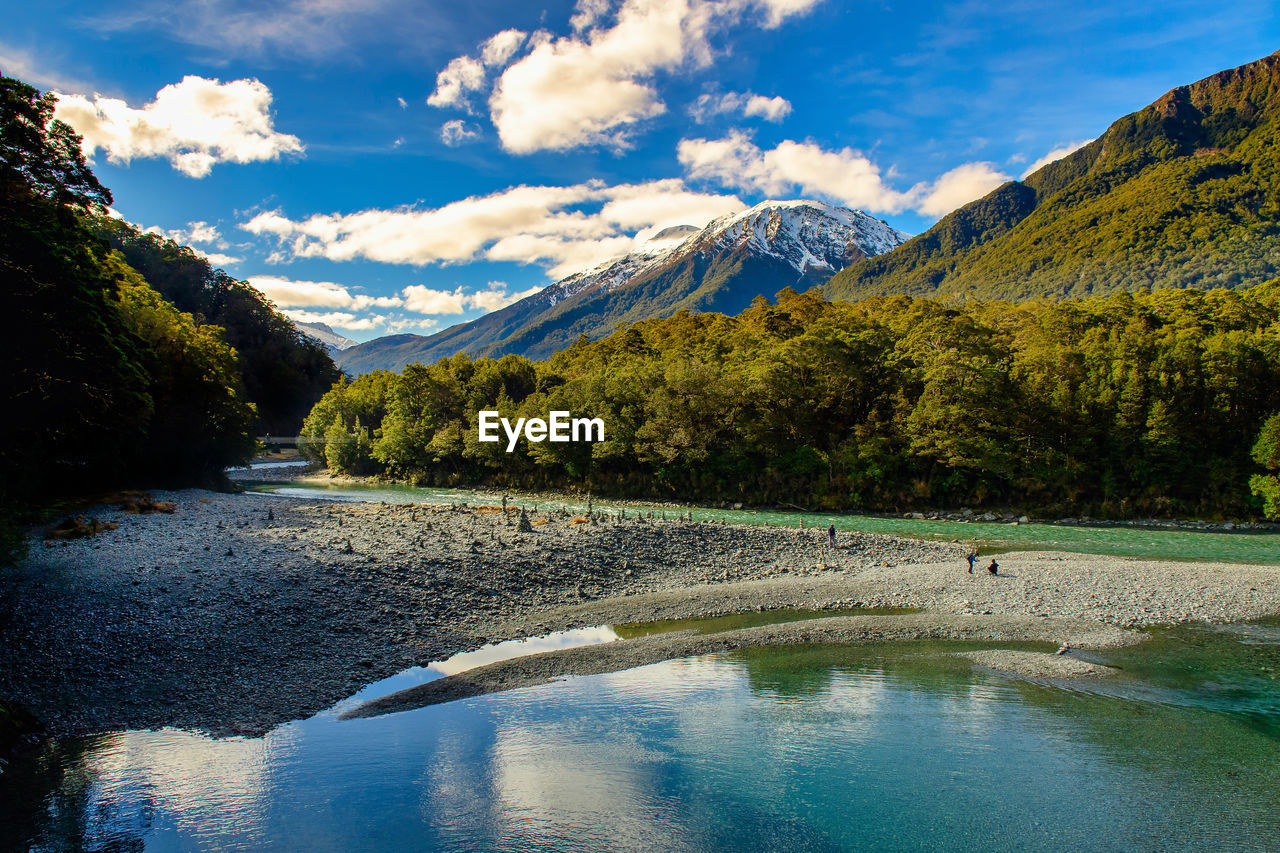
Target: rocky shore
239	612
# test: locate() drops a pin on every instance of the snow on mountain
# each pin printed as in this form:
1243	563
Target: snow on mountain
805	234
325	335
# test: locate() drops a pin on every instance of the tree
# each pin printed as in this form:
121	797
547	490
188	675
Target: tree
1266	452
284	371
43	153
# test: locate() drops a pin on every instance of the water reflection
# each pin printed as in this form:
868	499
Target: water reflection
894	747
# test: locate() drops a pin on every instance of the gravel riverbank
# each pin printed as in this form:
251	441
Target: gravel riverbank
239	612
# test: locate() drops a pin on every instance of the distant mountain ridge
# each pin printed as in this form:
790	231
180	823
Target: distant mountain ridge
1183	193
721	267
325	334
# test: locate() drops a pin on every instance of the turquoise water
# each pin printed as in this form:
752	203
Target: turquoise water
819	748
1233	547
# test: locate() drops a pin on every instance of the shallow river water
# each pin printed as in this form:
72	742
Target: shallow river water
1121	541
900	747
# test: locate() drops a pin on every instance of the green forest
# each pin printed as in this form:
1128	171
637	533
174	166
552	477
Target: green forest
1127	405
129	361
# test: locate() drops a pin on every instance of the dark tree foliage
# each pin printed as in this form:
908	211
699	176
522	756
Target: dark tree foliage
1132	404
74	385
284	371
1266	452
42	153
105	383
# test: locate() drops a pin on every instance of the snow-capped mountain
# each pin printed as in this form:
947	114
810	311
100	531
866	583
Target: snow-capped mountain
325	335
805	234
720	267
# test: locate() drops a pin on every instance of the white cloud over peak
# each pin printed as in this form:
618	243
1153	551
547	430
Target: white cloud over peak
195	124
421	299
564	229
496	296
336	305
845	175
957	187
773	109
287	293
596	86
344	320
1056	154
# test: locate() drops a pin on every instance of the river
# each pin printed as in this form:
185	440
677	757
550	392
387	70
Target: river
1114	540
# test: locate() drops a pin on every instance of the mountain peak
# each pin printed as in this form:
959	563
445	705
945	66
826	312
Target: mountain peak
720	267
675	231
325	334
805	233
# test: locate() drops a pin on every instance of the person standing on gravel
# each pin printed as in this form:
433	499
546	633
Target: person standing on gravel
973	556
831	536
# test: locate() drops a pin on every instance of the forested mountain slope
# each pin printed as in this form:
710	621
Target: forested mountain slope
1184	193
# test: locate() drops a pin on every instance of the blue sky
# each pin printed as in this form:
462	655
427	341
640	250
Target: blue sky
393	166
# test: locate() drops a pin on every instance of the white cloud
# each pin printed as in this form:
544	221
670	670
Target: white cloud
496	296
595	87
458	132
845	175
25	66
465	74
1056	154
194	124
400	325
588	13
421	299
310	28
564	255
777	11
337	319
218	259
288	293
499	48
462	76
335	304
562	228
773	109
196	236
959	186
196	232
